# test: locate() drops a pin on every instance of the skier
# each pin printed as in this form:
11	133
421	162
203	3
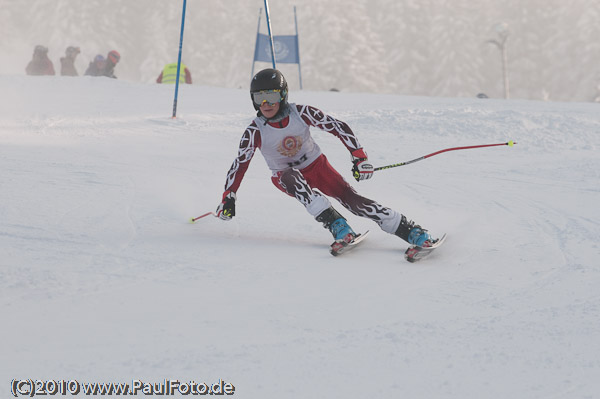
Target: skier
40	64
67	63
281	132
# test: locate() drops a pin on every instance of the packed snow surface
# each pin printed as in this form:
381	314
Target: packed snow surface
103	278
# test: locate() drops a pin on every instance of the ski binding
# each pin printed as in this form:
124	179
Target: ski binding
415	253
348	243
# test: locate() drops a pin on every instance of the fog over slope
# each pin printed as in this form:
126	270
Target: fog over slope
431	47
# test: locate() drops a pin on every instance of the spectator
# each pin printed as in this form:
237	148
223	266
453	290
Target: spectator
112	59
40	64
169	74
97	66
67	63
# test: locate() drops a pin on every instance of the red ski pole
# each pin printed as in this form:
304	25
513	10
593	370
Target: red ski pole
510	144
192	220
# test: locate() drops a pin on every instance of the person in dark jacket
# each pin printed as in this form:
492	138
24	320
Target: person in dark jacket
40	64
112	59
96	67
67	63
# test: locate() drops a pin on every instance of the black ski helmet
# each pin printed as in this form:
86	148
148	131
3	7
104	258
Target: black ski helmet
269	79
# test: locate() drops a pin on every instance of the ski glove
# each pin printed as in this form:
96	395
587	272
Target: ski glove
226	210
362	169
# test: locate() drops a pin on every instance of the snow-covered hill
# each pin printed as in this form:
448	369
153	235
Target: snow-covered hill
102	278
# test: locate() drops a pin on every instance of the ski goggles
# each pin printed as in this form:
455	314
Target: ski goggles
271	97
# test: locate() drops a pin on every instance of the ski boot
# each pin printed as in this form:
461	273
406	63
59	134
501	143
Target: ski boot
419	239
419	236
422	244
339	228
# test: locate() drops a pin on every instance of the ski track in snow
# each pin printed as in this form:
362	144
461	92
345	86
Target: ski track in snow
103	278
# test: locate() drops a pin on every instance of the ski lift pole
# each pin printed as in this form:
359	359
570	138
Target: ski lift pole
510	144
270	34
179	61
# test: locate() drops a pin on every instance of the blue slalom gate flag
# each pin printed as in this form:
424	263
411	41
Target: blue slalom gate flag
286	49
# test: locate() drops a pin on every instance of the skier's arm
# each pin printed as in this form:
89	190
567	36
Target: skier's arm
317	118
248	144
362	169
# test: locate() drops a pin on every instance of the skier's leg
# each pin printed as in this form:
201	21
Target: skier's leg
322	175
388	219
293	183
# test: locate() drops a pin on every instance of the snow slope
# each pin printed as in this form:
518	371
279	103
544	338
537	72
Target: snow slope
102	278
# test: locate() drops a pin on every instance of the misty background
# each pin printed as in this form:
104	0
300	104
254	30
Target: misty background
408	47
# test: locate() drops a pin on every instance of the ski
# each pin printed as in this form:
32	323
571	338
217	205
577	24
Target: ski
347	244
415	253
